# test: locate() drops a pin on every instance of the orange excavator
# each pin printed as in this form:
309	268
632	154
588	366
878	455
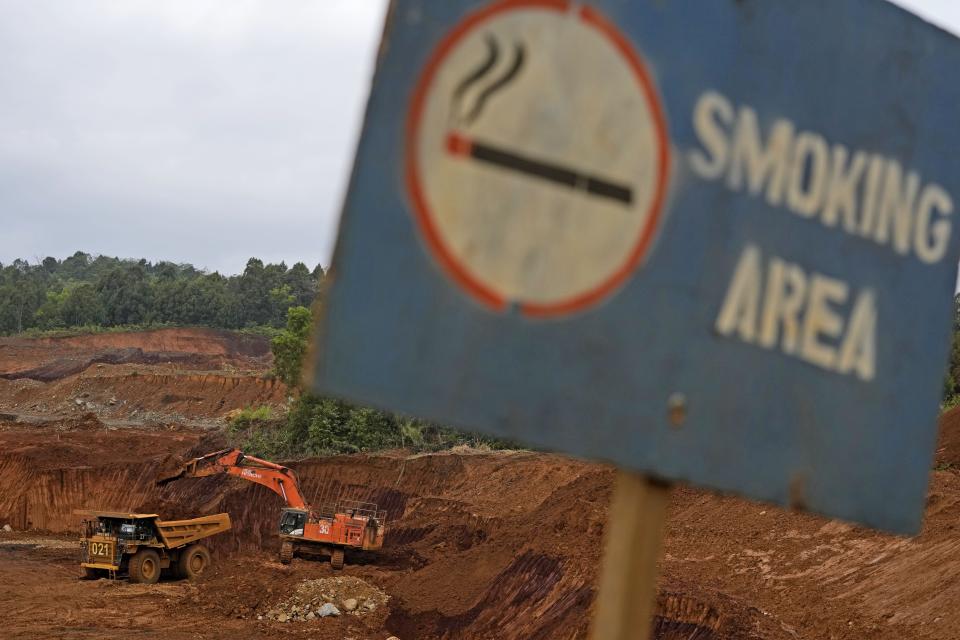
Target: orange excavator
304	531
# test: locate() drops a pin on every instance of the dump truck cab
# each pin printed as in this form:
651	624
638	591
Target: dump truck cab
142	546
106	538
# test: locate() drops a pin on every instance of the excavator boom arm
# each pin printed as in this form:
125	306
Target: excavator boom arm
279	479
282	483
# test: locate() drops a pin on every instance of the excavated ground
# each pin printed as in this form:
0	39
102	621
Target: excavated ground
193	376
482	545
53	358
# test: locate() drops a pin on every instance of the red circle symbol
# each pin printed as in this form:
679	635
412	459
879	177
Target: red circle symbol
459	145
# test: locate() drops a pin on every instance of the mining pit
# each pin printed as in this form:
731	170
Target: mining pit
481	544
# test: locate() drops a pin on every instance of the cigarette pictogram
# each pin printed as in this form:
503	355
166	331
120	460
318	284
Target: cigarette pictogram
520	192
461	145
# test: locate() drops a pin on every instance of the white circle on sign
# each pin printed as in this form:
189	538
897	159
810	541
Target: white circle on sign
537	156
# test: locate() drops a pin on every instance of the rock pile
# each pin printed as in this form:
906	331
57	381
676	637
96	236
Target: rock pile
327	597
85	422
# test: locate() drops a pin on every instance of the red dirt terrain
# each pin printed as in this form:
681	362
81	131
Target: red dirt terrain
147	377
481	545
52	358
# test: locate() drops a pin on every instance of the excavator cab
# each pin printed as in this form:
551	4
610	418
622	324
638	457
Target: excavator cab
293	522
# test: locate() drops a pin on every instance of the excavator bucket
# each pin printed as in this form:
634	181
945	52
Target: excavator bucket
185	471
196	468
168	473
168	476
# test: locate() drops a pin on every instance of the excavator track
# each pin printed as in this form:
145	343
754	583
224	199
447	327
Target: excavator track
286	552
336	559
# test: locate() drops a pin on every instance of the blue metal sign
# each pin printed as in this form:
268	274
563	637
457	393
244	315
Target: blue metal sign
710	241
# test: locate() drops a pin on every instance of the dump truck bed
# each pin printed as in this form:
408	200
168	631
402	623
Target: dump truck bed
178	533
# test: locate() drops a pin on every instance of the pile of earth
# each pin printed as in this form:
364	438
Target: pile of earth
324	597
82	422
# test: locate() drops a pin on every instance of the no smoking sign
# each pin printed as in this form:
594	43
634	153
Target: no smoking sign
537	156
590	226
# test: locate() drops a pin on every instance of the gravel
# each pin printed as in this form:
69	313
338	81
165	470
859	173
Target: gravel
326	597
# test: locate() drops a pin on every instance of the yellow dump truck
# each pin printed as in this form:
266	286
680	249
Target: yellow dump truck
142	546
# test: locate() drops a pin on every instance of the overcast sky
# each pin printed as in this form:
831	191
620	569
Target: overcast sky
202	131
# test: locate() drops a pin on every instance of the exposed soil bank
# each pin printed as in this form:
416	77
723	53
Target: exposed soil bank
158	395
54	358
148	377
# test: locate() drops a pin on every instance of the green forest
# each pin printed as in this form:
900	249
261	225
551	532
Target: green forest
98	291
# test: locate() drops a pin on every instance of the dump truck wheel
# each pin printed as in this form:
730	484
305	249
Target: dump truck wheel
193	561
336	559
286	552
145	567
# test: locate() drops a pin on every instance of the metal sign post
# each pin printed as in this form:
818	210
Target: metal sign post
628	577
570	223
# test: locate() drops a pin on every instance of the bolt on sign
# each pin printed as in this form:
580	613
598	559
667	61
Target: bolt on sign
711	242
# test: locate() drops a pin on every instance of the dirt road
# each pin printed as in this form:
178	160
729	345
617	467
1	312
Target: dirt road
43	599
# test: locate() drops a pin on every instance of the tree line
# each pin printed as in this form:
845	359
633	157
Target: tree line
84	290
